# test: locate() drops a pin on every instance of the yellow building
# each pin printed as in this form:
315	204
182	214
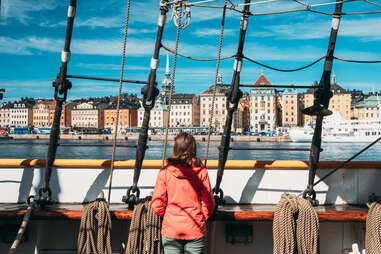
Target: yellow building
340	101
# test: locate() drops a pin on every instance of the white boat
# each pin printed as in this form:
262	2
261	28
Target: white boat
335	129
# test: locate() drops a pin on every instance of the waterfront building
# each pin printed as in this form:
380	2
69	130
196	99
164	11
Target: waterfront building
185	110
88	115
21	115
4	117
43	113
340	102
290	108
127	117
242	115
158	116
68	108
263	115
219	115
368	109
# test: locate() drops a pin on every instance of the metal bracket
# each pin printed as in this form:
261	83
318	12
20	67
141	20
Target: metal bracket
131	199
61	86
181	9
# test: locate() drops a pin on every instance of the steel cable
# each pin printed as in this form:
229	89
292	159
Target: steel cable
196	59
373	229
95	229
171	89
295	227
357	61
369	2
116	125
284	70
211	109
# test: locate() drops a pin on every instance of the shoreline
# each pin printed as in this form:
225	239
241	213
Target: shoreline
135	137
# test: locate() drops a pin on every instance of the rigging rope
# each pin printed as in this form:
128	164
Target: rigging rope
357	61
95	229
373	229
196	59
22	229
144	234
211	109
116	124
172	86
369	2
284	70
295	227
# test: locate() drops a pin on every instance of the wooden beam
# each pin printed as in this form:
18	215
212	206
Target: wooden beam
224	213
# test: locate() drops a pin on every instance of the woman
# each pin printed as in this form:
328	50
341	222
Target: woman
184	199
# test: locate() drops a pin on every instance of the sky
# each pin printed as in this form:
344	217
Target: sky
32	34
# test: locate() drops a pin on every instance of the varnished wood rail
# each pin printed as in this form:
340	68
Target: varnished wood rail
223	213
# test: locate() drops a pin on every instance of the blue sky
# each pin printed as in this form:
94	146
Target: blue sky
32	36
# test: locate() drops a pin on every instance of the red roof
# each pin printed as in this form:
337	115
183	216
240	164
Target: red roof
262	81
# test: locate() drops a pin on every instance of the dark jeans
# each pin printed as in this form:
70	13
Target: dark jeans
177	246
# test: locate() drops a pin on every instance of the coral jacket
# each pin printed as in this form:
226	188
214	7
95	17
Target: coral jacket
184	199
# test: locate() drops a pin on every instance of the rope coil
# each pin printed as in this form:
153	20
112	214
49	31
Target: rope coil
95	229
144	234
373	229
295	227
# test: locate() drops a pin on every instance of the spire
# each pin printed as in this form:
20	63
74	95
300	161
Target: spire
167	66
262	71
333	79
219	79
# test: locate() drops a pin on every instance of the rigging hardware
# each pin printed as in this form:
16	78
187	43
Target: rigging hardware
180	9
149	92
320	107
61	86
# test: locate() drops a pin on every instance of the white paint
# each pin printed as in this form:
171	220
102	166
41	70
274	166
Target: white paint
239	186
237	65
154	63
161	20
71	11
335	23
65	56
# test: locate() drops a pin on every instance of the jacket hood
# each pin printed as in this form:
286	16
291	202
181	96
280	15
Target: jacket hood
180	171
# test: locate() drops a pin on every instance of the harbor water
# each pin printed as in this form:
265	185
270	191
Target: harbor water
90	149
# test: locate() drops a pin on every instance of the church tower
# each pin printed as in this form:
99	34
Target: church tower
166	83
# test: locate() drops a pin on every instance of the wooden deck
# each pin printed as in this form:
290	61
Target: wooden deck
336	213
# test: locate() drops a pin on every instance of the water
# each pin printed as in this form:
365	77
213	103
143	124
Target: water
32	149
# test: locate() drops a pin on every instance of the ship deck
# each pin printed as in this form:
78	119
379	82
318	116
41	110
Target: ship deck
332	213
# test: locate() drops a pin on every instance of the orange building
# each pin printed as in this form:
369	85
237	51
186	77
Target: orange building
43	113
127	118
340	101
290	111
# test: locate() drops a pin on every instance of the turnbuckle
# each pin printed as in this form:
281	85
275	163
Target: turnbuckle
131	199
43	198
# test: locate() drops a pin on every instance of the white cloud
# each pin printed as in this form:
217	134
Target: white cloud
20	9
205	32
366	29
112	67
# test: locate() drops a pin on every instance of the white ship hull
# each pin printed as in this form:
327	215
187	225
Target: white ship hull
244	182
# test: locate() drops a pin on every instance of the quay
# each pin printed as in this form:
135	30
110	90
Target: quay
135	137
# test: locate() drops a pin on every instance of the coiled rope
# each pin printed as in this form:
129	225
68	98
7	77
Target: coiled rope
295	227
373	229
144	235
95	229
